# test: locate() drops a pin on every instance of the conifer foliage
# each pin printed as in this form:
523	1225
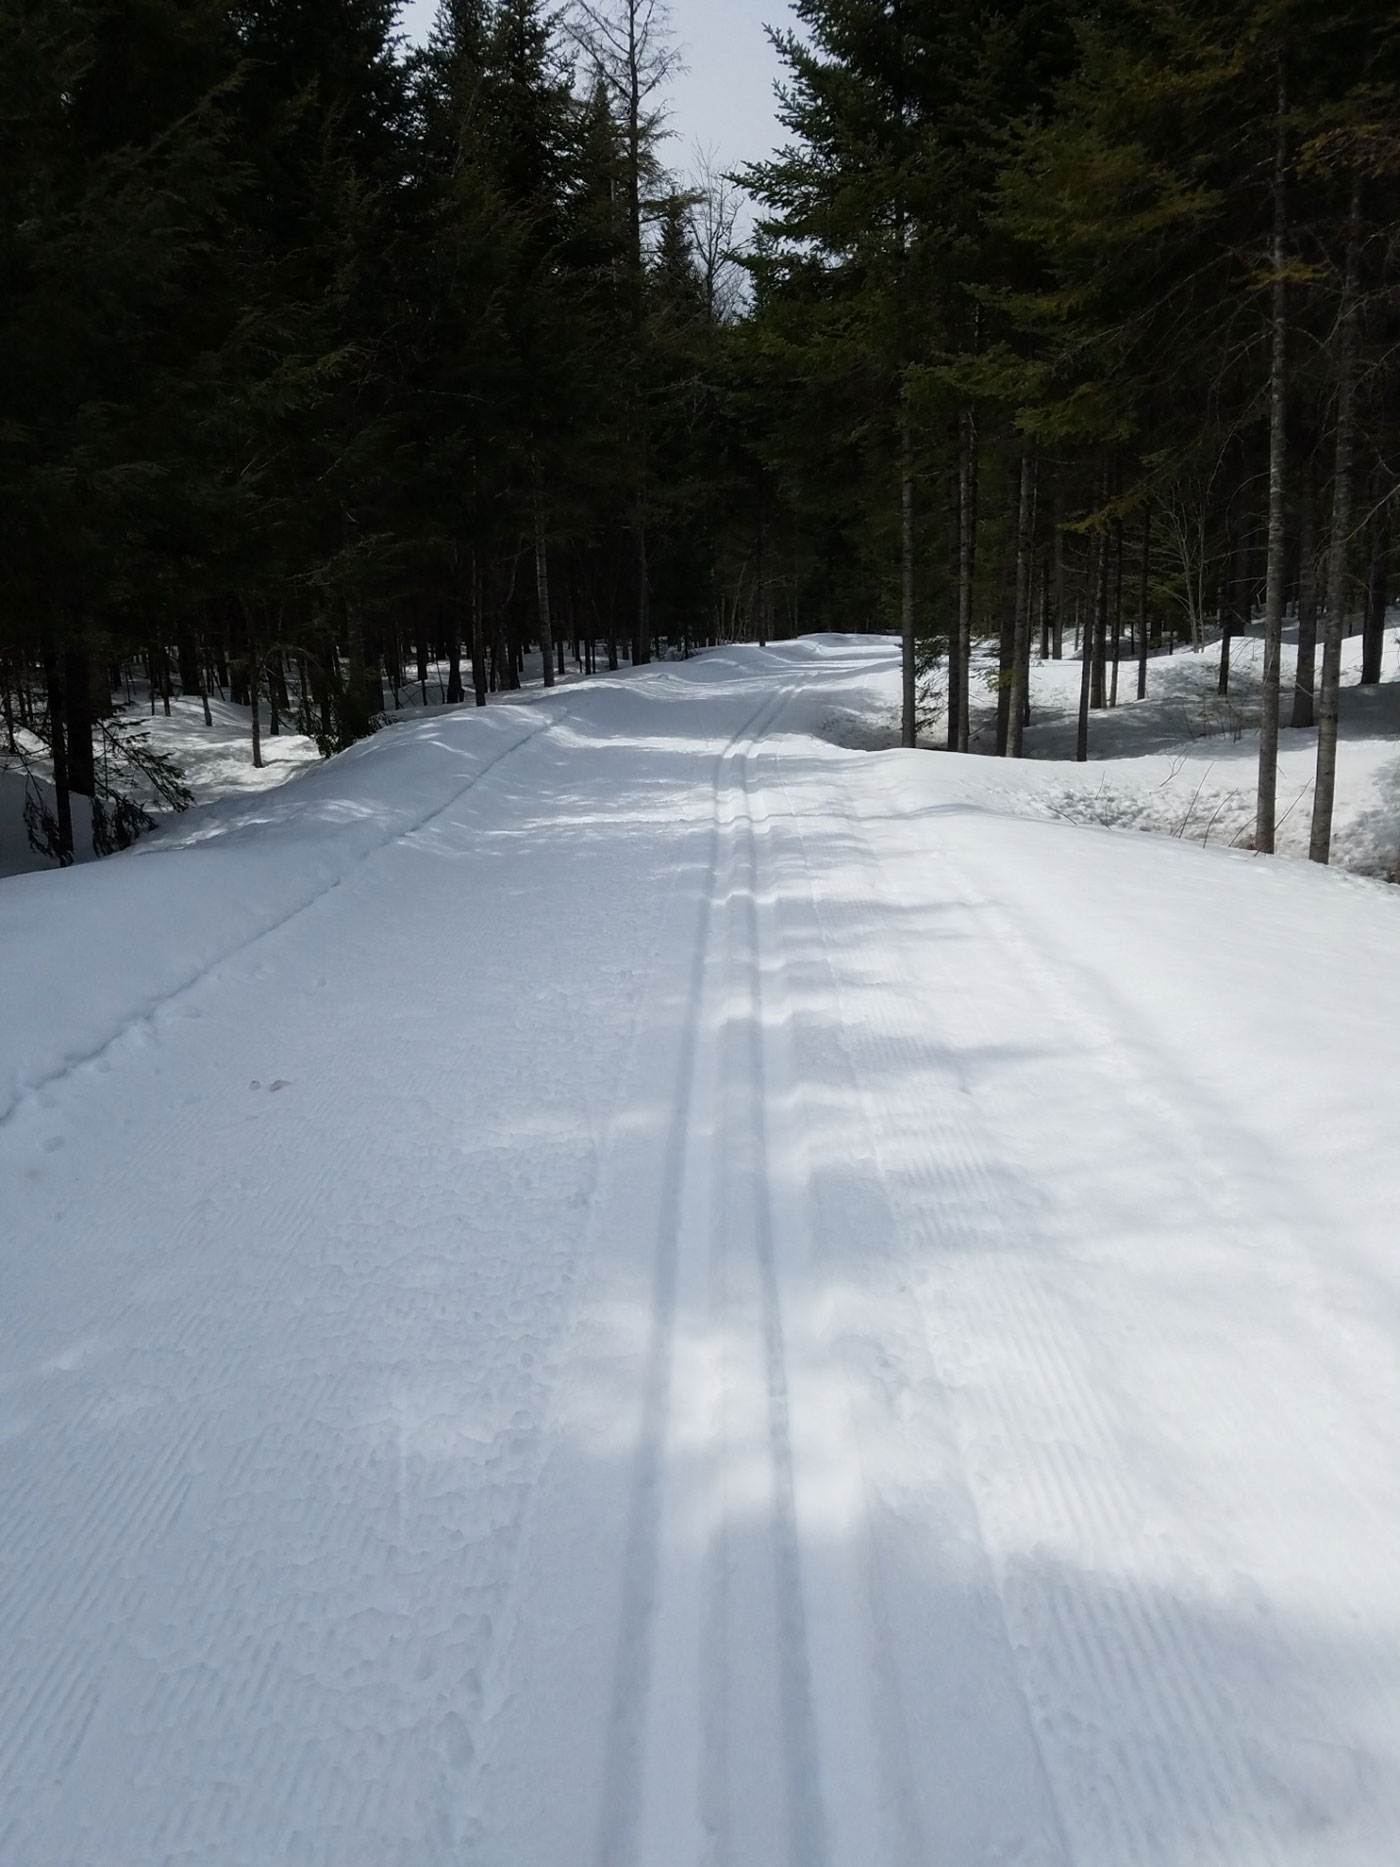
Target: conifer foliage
332	367
1109	295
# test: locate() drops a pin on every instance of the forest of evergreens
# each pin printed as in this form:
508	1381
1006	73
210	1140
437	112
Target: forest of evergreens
327	359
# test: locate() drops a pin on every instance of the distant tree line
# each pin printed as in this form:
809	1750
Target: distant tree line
328	363
1095	312
330	366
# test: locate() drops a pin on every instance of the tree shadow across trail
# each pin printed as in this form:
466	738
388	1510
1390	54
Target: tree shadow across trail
1025	1635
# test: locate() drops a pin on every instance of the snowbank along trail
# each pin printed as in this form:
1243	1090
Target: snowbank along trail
613	1285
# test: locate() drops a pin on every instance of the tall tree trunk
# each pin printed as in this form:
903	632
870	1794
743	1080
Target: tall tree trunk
1057	625
1098	555
187	656
1330	686
1098	626
546	627
1101	620
1144	574
77	695
58	751
1305	678
478	628
966	572
959	702
1117	609
1377	590
455	690
1266	805
7	705
641	637
1021	640
254	693
908	719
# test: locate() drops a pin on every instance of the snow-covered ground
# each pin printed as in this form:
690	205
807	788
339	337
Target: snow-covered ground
613	1283
1184	762
215	761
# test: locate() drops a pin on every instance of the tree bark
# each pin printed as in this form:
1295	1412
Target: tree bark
254	691
1117	609
1305	678
967	558
1144	573
1086	657
1267	799
1021	639
478	629
641	639
546	626
58	752
1329	689
77	696
1377	589
909	720
962	622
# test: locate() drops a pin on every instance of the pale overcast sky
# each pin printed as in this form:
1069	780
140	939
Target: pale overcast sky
725	99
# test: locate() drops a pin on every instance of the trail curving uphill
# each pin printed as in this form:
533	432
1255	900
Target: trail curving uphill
642	1290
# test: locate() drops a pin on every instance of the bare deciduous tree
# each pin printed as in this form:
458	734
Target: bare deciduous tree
714	204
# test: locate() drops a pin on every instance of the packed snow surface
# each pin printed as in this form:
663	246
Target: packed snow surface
610	1283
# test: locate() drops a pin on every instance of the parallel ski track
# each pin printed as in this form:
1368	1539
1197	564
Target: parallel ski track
615	1162
149	1013
621	1803
719	1752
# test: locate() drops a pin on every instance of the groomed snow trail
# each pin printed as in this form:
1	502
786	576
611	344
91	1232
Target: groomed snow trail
612	1285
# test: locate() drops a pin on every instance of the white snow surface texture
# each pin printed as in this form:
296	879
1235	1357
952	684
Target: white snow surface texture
611	1284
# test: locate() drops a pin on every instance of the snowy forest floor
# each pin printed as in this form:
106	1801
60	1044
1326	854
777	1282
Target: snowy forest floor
1180	763
612	1283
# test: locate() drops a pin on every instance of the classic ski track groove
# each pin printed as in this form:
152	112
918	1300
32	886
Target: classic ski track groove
807	1834
770	1658
609	1154
634	1663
